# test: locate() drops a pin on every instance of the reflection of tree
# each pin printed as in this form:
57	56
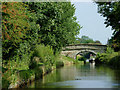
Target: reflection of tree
68	73
116	76
103	70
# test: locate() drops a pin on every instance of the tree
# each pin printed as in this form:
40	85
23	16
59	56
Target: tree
98	42
85	39
58	26
111	10
19	32
14	26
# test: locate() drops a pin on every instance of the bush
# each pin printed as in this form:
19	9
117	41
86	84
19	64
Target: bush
45	54
110	58
5	83
103	58
26	74
59	64
109	50
115	62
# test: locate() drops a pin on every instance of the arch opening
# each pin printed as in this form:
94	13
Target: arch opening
84	55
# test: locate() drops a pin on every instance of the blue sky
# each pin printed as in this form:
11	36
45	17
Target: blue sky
92	22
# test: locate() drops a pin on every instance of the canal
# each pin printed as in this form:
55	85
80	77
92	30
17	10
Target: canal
80	76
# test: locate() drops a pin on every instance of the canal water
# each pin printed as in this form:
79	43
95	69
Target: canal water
80	76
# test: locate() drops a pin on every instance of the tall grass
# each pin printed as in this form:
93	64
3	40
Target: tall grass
45	54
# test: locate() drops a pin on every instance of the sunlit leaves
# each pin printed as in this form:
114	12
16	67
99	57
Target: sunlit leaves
58	26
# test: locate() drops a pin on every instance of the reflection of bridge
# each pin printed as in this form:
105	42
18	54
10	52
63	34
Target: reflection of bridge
73	50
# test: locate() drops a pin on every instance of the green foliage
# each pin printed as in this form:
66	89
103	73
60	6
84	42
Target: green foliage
111	10
5	83
25	74
115	62
57	22
78	56
110	58
22	58
45	54
33	34
109	50
14	27
9	77
85	40
38	72
102	58
97	42
59	64
24	26
19	35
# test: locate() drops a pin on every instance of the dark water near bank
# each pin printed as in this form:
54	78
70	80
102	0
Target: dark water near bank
80	76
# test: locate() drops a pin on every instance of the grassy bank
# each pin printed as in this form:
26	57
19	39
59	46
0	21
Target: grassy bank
110	58
42	61
28	68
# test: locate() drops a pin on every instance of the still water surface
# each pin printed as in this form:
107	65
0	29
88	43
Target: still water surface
80	76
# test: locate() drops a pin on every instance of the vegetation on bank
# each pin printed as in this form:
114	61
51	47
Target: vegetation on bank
33	35
111	12
110	58
43	62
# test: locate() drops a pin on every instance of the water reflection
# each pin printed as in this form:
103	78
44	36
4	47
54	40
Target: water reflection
80	76
92	65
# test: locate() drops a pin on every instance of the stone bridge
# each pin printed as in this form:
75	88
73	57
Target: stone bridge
73	50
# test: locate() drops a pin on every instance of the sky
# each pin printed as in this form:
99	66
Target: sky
92	22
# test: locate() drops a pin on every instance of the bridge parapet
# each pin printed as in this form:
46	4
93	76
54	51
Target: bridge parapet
84	46
73	50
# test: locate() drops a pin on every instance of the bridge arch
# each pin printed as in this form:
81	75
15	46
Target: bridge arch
84	52
73	50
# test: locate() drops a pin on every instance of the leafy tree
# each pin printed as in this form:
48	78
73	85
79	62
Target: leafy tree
19	32
58	26
109	42
98	42
111	10
86	39
27	24
14	26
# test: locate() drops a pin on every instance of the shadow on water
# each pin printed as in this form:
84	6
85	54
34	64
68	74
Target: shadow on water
80	76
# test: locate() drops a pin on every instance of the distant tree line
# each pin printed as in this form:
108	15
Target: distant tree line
86	40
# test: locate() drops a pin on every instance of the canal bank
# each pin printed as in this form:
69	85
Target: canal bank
110	58
27	76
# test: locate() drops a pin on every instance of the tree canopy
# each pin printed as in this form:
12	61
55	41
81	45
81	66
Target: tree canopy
26	24
84	39
58	26
111	10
